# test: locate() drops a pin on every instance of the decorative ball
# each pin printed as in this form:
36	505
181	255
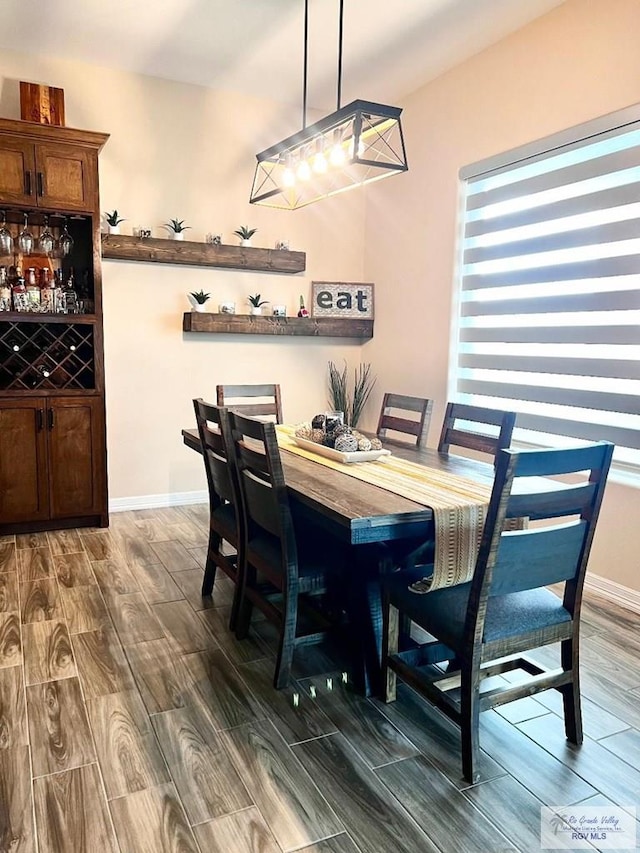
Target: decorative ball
332	423
317	435
346	443
376	444
364	444
303	431
319	421
329	439
342	429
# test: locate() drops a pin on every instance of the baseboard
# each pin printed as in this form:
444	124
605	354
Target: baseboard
618	594
155	501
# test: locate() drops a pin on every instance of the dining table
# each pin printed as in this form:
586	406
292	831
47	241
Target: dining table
375	521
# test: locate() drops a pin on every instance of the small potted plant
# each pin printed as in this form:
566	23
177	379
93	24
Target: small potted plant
257	303
198	299
176	228
245	234
113	221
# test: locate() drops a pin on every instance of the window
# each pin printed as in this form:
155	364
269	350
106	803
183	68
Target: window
549	305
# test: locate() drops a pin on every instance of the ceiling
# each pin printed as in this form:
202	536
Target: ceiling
255	46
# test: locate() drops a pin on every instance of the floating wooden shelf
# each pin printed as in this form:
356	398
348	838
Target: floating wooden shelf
160	251
249	324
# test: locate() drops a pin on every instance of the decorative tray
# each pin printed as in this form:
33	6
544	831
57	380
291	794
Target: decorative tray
339	456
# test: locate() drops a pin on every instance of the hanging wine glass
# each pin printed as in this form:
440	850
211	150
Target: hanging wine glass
66	241
6	240
25	238
46	241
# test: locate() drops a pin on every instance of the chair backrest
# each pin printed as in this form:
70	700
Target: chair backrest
219	461
241	398
392	419
555	551
476	439
265	499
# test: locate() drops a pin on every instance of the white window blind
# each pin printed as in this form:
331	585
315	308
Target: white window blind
549	321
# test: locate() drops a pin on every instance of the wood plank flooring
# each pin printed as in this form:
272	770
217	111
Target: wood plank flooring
132	721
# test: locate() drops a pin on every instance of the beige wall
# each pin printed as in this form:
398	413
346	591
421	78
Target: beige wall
189	152
578	62
178	150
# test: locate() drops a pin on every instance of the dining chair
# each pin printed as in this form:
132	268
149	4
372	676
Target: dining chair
480	626
480	439
295	558
392	419
241	398
225	512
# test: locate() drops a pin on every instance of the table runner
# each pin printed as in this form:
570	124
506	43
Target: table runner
459	505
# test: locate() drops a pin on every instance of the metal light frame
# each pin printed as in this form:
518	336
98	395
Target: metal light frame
355	145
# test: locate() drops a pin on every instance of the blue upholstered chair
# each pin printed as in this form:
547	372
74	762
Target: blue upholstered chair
506	609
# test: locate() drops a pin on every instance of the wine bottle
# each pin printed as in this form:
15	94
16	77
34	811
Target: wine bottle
5	291
33	290
46	292
19	293
69	295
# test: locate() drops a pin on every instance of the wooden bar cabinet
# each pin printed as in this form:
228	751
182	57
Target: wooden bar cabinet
53	471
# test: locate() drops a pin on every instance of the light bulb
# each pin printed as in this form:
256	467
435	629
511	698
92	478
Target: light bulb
337	155
303	171
320	163
288	178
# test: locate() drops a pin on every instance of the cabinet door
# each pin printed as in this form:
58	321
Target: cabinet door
66	176
23	461
17	171
75	429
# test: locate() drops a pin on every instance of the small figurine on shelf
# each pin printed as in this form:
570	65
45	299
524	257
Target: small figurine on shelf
113	221
303	311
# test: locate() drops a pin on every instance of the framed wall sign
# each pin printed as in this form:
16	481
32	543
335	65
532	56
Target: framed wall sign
342	299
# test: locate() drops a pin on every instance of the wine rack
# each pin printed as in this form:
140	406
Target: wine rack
52	357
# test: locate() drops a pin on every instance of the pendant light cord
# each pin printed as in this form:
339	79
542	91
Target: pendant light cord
340	29
306	62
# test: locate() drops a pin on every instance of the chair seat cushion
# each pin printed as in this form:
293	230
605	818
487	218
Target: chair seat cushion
224	522
443	611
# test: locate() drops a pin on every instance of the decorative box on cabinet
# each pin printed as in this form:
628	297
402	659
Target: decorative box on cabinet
52	418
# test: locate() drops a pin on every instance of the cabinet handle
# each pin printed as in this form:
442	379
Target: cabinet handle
40	419
40	184
27	183
51	421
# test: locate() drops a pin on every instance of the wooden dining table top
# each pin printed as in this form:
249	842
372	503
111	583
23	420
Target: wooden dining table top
359	512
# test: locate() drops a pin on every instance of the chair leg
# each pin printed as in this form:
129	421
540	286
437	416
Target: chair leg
571	692
210	566
470	723
287	642
244	607
391	619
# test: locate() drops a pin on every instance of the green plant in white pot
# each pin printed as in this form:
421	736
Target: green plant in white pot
176	228
256	303
245	234
198	300
113	221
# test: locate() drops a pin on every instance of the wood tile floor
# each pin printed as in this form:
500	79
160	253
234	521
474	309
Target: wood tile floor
132	721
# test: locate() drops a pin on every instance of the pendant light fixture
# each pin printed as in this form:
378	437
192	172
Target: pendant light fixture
355	145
